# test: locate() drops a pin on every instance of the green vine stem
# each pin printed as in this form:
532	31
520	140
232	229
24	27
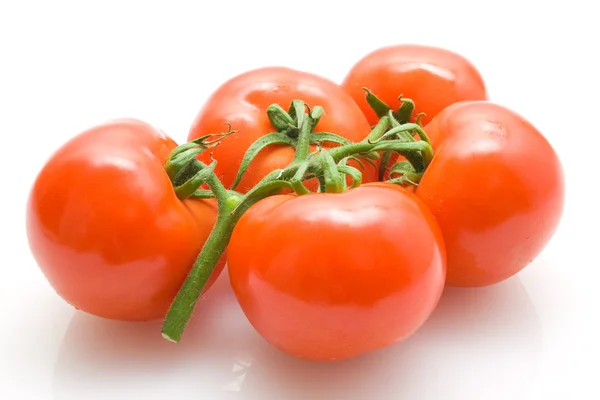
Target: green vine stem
333	179
386	158
352	172
329	166
305	126
298	178
403	172
184	303
379	130
396	118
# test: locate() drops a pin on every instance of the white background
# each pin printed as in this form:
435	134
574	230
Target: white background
67	66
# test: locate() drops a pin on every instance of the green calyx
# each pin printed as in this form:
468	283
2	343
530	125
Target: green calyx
403	173
295	128
333	180
402	115
183	169
401	129
191	177
394	134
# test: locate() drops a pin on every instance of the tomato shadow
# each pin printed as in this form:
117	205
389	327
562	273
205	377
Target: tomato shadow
483	341
479	343
99	358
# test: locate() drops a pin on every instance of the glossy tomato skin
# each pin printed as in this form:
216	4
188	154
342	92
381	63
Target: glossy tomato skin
332	276
106	228
496	188
243	101
432	77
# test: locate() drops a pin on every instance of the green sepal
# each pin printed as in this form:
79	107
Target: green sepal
256	147
188	187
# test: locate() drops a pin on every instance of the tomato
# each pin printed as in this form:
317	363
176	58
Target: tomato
106	228
332	276
243	101
432	77
496	188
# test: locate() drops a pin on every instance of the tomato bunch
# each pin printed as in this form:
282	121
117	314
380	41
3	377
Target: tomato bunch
342	210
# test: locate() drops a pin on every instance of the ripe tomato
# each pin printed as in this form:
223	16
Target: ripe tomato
243	101
495	187
331	276
432	77
106	228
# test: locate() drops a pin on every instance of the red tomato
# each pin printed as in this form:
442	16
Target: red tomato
495	187
332	276
243	101
432	77
106	228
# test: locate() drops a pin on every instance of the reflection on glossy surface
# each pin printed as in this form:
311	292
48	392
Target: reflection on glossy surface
482	341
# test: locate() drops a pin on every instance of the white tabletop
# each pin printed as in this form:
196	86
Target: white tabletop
66	66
